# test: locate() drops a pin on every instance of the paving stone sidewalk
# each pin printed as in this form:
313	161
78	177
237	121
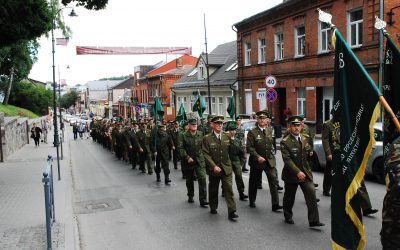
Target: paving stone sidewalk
22	209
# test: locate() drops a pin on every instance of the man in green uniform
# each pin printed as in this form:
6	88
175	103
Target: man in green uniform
237	156
192	161
174	133
135	144
161	146
259	146
144	139
329	142
240	137
390	233
216	153
297	172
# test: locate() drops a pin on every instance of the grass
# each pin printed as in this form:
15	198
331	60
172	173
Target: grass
10	110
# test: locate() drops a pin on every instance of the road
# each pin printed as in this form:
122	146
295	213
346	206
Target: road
120	208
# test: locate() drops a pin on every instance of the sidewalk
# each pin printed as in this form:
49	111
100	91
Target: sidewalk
22	209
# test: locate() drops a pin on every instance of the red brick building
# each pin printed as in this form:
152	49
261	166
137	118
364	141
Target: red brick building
158	82
288	42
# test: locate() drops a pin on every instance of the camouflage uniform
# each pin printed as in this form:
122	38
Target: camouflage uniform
390	233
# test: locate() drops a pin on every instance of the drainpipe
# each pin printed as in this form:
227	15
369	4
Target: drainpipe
234	95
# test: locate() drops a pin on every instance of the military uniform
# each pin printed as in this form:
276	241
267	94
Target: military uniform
390	233
295	158
216	153
162	145
329	142
174	133
144	139
135	146
259	144
190	146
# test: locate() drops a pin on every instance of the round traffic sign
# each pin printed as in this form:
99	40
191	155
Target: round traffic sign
270	81
271	95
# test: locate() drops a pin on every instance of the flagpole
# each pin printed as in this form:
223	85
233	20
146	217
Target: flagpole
326	18
208	73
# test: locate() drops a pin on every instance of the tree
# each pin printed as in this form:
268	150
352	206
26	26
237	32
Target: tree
69	99
88	4
23	20
16	62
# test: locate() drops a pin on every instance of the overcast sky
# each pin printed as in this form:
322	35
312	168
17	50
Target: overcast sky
140	24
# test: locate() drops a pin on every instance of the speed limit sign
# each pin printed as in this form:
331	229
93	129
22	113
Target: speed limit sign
270	81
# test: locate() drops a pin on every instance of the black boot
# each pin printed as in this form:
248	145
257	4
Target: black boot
167	180
158	177
243	197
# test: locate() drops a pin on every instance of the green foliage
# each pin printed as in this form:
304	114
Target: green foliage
32	97
114	78
88	4
69	99
10	110
23	20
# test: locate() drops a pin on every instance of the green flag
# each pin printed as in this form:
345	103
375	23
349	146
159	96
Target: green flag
231	108
391	92
199	106
181	116
158	110
355	112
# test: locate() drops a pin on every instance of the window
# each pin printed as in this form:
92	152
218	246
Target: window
261	50
193	72
220	106
355	28
184	101
324	35
213	105
207	106
200	72
232	67
278	46
300	41
179	101
301	101
247	54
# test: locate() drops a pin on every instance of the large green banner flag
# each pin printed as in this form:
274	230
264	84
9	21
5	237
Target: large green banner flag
158	110
355	112
181	116
391	92
199	106
231	108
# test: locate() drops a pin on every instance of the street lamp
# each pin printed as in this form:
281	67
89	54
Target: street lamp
53	25
60	114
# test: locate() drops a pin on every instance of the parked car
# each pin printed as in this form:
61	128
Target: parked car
375	162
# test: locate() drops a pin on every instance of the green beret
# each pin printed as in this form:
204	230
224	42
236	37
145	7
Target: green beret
192	121
184	123
231	126
210	116
295	119
217	119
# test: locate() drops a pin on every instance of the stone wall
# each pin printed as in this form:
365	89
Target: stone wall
15	133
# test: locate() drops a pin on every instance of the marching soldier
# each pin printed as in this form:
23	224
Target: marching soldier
237	156
240	137
161	146
390	233
329	142
135	144
174	132
259	146
144	139
192	161
297	172
216	153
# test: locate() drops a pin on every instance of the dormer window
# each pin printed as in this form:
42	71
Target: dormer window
200	72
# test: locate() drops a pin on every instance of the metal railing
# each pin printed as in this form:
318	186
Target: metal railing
49	199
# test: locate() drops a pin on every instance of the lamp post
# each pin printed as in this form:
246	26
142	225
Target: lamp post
60	114
56	139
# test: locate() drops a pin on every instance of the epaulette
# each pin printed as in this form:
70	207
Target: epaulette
285	138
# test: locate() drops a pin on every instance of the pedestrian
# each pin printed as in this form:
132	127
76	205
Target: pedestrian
87	130
259	146
193	162
75	131
161	146
237	156
297	172
44	131
35	134
216	153
390	233
174	133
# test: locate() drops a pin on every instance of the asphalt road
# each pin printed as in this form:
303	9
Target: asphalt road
120	208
